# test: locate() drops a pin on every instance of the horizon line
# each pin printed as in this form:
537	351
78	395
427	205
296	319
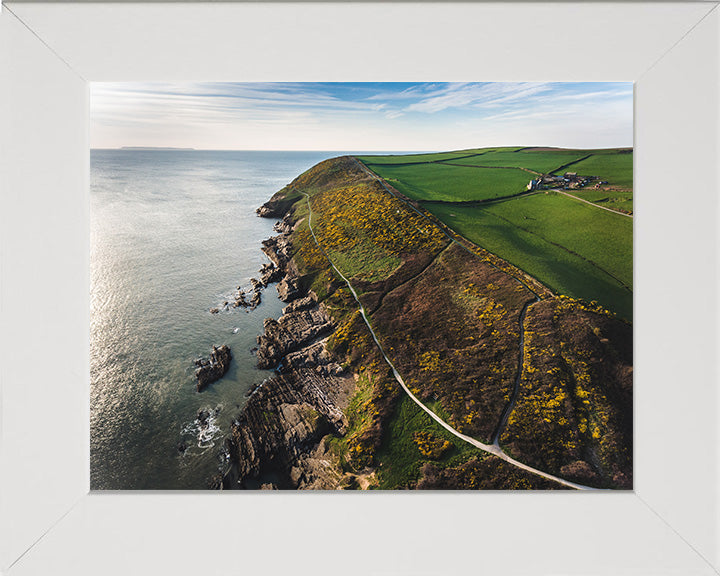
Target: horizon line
190	149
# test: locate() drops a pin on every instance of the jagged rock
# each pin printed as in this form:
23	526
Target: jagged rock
240	299
214	310
319	470
214	368
295	475
284	226
253	388
282	422
287	416
256	299
269	273
202	416
305	303
277	248
266	212
311	357
294	330
288	289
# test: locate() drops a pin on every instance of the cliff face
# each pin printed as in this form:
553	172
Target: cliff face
277	440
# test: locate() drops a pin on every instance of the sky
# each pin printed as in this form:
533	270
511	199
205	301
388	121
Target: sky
425	116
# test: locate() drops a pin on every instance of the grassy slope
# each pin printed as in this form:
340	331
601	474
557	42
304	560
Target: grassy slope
598	235
383	424
399	455
453	183
401	463
470	367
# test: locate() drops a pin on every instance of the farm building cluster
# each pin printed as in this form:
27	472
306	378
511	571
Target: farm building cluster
568	181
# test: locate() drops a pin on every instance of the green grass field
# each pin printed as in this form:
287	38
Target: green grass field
538	161
600	236
543	246
427	157
414	158
613	199
616	168
453	183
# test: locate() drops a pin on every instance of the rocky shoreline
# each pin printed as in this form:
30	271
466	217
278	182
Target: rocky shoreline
278	440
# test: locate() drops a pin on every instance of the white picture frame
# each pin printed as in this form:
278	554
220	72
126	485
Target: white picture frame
51	524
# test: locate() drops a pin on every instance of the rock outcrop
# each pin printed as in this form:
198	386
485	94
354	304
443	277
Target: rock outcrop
277	206
278	441
282	269
282	423
279	432
212	369
269	273
254	293
302	323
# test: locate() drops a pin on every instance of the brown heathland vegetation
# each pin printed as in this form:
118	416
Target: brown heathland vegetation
573	416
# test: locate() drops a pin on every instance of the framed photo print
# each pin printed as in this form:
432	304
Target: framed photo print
404	288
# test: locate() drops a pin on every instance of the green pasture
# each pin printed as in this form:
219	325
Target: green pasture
600	236
384	159
453	183
612	199
573	248
412	158
543	161
616	168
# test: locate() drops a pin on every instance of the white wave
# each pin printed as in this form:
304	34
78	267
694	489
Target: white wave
205	430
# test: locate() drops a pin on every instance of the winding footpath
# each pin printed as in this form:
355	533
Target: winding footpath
494	448
518	377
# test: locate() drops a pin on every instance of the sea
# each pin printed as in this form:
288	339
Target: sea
174	233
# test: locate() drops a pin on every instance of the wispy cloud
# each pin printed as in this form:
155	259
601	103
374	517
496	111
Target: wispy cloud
380	116
476	95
